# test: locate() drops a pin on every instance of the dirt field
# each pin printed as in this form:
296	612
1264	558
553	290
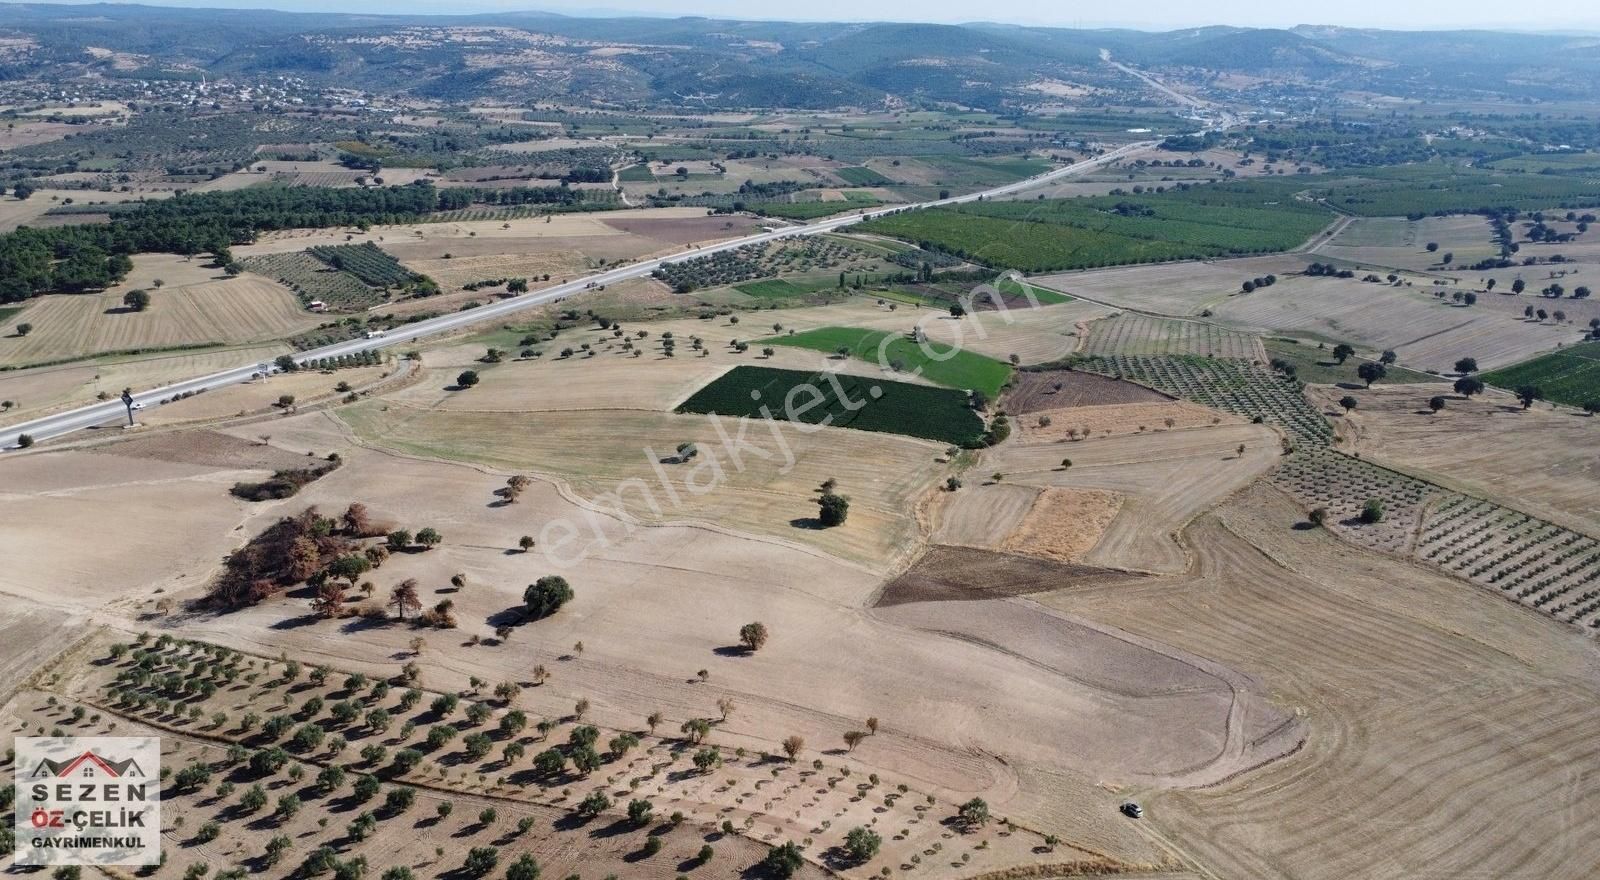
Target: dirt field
1397	243
1540	461
1412	766
1064	524
981	516
598	451
1032	392
245	309
1167	478
1110	419
1428	334
1134	334
1179	289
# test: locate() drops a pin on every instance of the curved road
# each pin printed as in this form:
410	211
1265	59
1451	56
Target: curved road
113	411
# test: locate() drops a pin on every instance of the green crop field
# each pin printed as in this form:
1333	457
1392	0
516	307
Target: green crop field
779	288
841	401
1570	376
862	176
636	174
1047	235
954	368
1433	189
1042	295
810	210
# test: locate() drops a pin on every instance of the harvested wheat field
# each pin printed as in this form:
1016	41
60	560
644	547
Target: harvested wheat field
1173	289
1397	243
1166	478
1540	461
1064	524
1129	333
980	516
1427	333
245	309
1083	422
1443	723
597	452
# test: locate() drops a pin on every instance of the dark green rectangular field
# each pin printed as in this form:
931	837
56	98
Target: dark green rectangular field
1570	376
899	408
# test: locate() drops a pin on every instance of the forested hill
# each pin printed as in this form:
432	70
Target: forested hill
714	62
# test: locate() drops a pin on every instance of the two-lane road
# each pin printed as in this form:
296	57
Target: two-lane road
113	411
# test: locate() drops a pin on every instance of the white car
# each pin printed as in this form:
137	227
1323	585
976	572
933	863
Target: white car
137	406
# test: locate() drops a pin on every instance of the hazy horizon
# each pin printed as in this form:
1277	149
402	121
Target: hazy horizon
1558	16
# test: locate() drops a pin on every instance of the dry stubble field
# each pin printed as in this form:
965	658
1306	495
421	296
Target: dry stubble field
1412	725
1541	460
196	305
1447	727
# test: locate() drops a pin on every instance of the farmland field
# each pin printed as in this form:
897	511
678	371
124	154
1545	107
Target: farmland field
313	280
1038	236
860	176
953	368
76	325
1134	334
1428	333
1570	376
840	401
1315	363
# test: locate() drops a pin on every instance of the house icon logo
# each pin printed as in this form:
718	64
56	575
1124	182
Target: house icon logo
88	765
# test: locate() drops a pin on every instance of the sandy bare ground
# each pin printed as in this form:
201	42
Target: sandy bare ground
1444	723
1064	524
1540	461
1166	477
90	528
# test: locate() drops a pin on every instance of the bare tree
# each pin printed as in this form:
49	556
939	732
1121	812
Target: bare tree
404	598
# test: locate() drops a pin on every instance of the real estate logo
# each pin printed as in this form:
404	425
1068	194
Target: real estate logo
88	800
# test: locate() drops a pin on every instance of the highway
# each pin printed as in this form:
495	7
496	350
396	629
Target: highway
113	411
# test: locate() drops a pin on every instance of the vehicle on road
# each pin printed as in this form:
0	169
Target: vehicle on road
1132	810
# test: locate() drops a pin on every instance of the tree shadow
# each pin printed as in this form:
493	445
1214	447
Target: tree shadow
732	651
809	523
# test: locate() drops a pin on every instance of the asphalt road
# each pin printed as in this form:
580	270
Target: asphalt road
113	411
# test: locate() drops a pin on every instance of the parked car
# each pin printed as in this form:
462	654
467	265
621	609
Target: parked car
1132	810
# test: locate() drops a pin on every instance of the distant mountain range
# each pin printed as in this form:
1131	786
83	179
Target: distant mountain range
723	63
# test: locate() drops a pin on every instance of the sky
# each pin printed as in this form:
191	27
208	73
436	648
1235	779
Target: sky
1550	15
